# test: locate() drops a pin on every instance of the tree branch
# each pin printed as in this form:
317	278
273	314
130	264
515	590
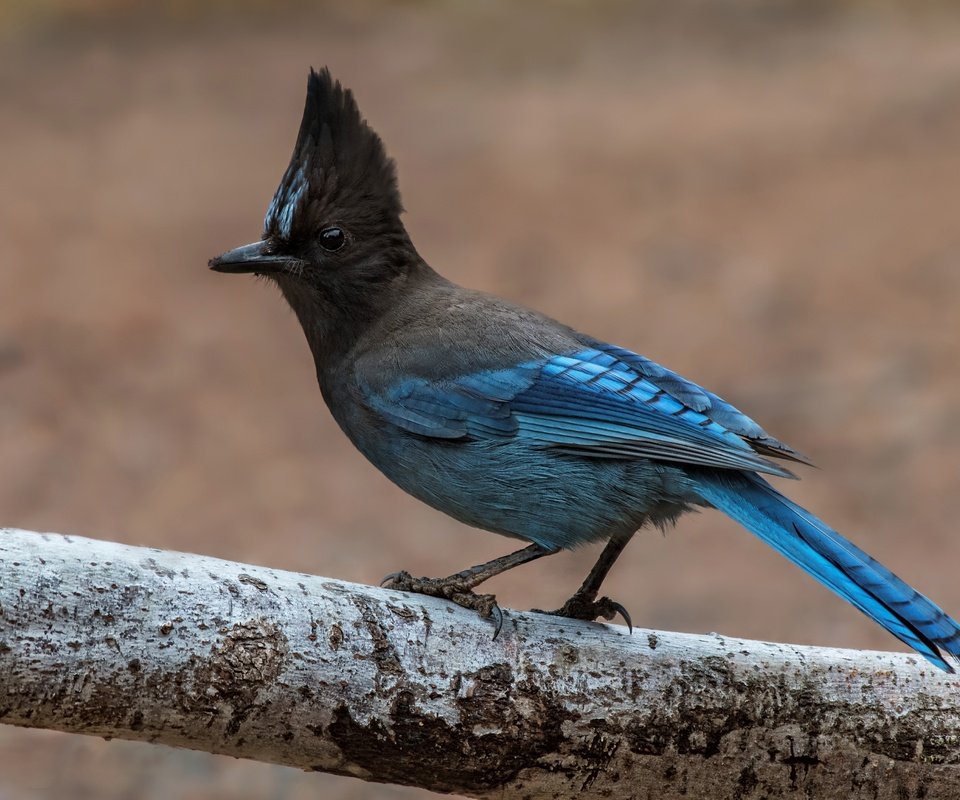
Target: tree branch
118	641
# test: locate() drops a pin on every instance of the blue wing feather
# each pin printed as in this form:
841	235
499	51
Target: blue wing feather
699	399
594	403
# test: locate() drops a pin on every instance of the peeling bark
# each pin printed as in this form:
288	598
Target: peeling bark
118	641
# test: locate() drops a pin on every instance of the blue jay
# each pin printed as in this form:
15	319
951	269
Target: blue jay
510	421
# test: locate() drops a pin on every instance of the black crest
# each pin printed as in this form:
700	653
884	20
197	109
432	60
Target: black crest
339	170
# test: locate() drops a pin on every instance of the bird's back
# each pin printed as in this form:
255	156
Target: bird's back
438	330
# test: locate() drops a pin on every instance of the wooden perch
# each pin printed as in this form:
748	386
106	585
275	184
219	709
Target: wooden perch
118	641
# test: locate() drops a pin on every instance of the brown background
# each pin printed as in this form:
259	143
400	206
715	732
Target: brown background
764	196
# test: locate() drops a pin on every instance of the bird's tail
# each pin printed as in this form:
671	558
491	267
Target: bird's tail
838	564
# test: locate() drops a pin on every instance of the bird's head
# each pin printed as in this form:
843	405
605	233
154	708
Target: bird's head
332	236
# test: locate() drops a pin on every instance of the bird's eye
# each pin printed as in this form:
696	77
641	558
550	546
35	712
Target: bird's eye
332	239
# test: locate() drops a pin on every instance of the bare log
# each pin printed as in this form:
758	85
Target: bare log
117	641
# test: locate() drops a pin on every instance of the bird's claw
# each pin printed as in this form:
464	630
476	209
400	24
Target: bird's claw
395	580
610	609
448	589
585	608
497	620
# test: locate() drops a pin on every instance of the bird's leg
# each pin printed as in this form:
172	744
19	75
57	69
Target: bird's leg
458	588
584	603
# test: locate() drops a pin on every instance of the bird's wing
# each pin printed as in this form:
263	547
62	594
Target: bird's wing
704	401
602	402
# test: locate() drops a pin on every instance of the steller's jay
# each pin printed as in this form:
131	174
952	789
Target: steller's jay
508	420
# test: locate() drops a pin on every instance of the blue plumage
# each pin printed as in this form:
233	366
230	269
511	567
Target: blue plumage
510	421
588	403
835	562
592	404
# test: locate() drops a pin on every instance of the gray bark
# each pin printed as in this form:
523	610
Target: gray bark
118	641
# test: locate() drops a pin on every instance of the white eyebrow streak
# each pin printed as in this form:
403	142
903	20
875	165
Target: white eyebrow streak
286	202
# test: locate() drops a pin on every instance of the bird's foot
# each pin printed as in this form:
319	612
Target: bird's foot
453	588
581	606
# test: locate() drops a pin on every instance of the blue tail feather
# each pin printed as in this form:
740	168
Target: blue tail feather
837	563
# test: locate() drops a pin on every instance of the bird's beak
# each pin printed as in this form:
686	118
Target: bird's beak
254	257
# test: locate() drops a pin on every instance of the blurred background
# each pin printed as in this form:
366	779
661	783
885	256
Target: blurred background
761	195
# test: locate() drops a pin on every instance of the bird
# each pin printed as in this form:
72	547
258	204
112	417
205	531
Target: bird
510	421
